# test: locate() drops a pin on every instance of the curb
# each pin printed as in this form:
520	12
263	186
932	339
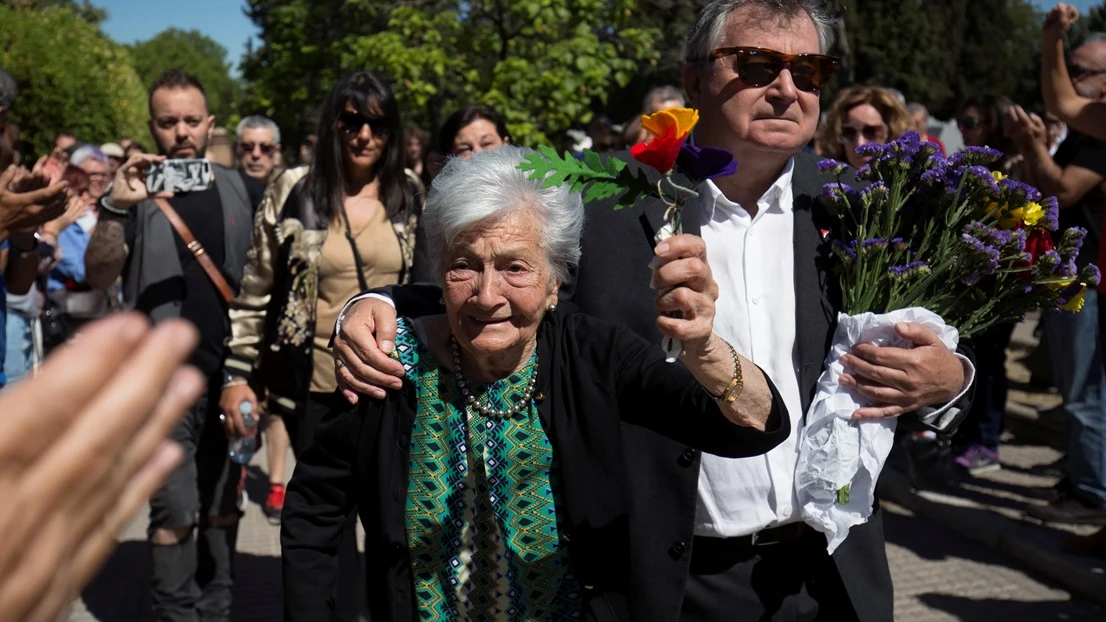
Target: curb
977	522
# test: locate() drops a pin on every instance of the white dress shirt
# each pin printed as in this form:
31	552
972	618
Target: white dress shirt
753	261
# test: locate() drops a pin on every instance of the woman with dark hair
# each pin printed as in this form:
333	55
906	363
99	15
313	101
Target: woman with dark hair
976	446
473	129
980	124
344	224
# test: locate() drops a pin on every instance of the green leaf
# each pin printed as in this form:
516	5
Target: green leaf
843	495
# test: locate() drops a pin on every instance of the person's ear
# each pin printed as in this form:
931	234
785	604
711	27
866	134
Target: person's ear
692	76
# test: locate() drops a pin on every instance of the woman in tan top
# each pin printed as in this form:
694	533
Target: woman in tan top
323	233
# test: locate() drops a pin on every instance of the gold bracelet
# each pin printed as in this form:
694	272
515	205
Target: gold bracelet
737	383
235	383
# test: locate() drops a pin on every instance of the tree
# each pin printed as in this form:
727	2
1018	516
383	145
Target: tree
197	54
82	8
542	63
70	76
299	59
940	52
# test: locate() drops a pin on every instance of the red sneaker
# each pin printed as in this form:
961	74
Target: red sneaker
274	503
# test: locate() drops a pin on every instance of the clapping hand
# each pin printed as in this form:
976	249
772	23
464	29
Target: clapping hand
28	200
82	447
1025	129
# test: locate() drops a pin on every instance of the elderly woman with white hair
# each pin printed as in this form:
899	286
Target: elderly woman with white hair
491	486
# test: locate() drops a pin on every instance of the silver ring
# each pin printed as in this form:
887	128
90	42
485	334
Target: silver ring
339	364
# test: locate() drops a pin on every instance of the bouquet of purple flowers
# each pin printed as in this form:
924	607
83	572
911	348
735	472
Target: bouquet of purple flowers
945	242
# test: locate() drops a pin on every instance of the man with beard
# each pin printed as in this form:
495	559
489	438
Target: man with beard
194	516
1076	176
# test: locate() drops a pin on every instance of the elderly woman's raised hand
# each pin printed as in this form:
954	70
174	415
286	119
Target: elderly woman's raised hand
686	291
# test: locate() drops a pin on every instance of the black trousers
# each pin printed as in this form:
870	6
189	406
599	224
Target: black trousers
793	581
192	580
346	602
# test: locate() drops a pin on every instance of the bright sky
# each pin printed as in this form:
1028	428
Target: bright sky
222	20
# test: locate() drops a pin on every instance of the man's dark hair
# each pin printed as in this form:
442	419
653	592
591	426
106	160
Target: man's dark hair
64	133
174	79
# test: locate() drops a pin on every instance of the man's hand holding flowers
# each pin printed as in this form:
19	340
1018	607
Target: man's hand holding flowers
900	380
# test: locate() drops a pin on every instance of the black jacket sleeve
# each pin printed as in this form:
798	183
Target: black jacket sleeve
414	300
319	501
667	398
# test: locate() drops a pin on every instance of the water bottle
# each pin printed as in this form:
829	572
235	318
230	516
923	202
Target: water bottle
242	449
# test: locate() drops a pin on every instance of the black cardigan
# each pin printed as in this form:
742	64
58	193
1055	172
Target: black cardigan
592	377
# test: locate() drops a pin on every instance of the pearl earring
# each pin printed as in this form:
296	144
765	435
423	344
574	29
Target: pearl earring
552	307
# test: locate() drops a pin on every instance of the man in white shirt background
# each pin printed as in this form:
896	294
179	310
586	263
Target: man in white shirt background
721	539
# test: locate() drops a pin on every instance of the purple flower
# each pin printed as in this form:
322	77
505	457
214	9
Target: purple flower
1068	268
914	268
870	150
907	144
1071	291
830	165
864	173
1090	275
1046	264
930	149
977	259
900	244
1071	242
1016	245
873	192
1052	213
703	163
975	155
843	251
990	236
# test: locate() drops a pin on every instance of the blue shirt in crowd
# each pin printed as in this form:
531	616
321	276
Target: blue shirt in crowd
72	242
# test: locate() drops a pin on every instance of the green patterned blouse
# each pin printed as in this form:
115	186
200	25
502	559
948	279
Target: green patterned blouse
482	525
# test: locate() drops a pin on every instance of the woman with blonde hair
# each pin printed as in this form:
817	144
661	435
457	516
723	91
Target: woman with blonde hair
860	115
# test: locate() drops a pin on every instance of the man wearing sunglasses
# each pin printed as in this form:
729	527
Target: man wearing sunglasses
257	147
711	538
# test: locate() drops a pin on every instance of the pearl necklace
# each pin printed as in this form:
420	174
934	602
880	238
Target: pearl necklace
483	409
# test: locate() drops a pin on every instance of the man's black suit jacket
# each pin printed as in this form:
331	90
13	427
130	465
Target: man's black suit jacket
612	282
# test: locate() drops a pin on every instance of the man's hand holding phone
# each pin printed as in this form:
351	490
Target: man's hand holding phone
129	186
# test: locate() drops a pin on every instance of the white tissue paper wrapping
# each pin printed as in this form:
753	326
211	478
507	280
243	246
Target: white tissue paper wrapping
672	347
837	451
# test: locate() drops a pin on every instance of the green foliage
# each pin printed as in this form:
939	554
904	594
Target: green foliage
597	177
299	60
197	54
70	76
541	63
81	8
544	64
940	52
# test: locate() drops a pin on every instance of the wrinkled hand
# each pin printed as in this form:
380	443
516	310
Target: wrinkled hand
1025	129
1058	22
230	402
901	380
361	349
27	200
686	291
82	447
128	187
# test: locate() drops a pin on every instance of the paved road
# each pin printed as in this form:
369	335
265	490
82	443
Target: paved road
938	576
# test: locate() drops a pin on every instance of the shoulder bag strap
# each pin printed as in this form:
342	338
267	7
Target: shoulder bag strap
356	252
197	249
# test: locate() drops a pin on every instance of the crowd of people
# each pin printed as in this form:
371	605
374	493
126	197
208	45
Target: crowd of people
462	361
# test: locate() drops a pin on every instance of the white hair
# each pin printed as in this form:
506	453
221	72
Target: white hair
711	21
258	122
488	187
85	152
